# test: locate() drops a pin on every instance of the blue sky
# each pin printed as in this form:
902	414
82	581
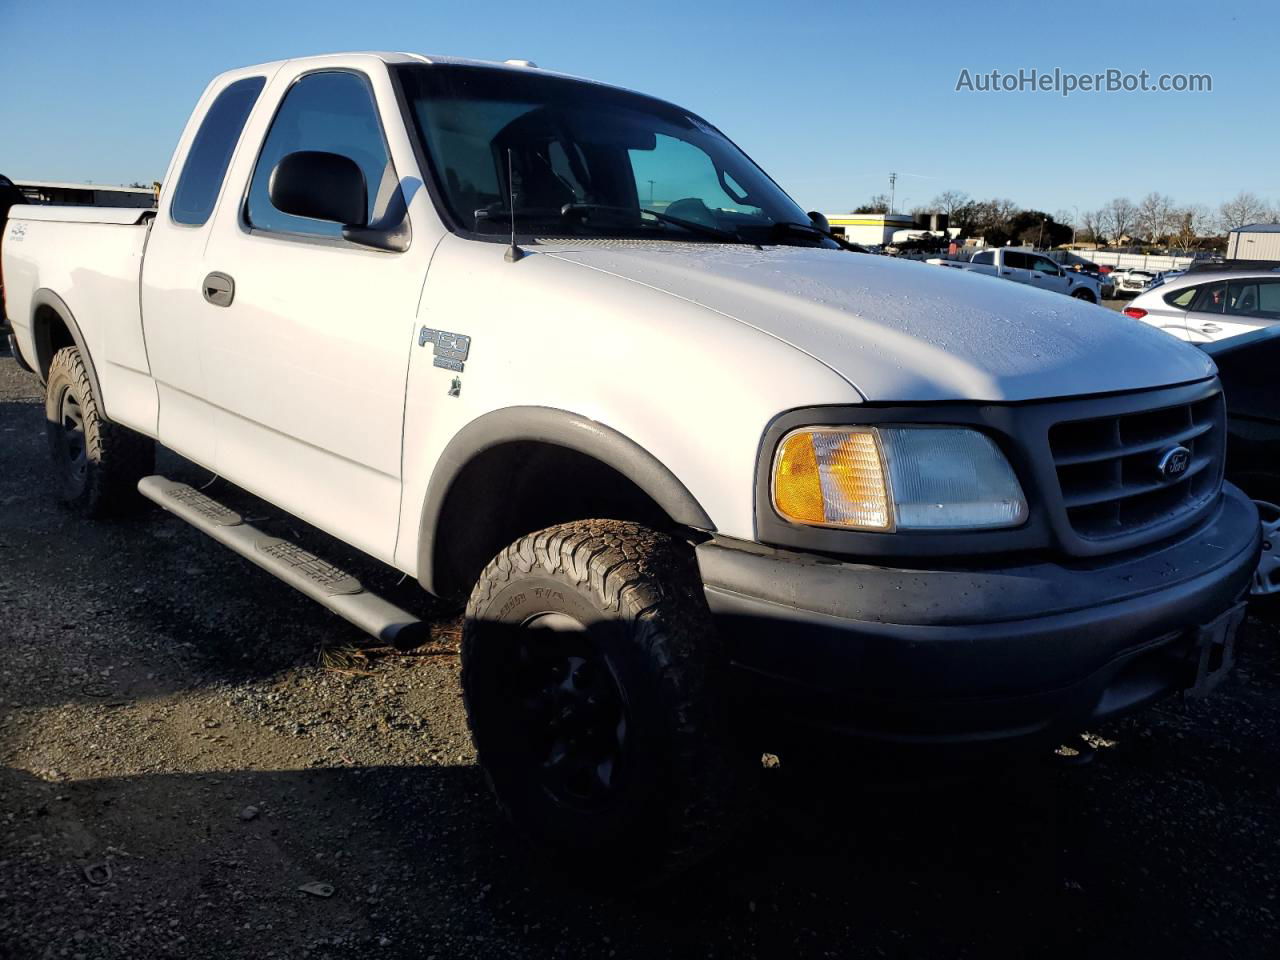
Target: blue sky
827	96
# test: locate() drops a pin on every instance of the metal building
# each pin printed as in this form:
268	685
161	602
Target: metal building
869	228
1255	241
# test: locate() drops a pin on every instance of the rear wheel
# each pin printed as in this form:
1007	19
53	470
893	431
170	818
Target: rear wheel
97	464
1085	295
596	689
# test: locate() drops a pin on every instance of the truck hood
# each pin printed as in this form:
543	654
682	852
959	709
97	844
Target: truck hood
902	331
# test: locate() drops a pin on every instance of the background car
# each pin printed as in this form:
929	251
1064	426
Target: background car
1203	306
1246	367
1132	281
1164	276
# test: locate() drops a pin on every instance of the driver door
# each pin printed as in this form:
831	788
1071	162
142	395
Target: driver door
306	354
1048	275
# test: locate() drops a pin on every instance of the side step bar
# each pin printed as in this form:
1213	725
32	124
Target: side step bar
334	588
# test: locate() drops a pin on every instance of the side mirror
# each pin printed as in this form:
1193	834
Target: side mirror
819	221
321	186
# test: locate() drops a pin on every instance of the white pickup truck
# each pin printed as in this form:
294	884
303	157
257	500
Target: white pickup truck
705	477
1034	269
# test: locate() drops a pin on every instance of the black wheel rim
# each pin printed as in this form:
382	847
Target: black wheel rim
572	711
75	452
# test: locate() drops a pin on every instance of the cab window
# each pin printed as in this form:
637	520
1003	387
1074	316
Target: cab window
211	150
332	112
1017	260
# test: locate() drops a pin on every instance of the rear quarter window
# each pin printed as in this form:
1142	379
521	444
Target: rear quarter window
211	150
1181	298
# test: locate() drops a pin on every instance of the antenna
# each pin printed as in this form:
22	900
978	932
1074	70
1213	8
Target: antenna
514	253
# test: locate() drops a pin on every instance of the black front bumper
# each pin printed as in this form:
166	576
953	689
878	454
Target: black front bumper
948	656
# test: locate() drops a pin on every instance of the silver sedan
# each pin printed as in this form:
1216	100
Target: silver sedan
1205	306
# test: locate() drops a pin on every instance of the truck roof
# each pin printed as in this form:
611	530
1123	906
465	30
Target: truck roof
395	57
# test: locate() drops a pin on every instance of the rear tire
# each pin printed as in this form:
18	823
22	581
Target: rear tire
597	693
1084	295
97	464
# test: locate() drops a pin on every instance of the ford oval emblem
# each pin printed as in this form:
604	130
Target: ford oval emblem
1173	463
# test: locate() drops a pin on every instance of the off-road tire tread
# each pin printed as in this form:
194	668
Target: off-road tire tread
118	457
650	579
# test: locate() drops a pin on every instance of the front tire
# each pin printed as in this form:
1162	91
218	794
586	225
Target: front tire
596	690
97	464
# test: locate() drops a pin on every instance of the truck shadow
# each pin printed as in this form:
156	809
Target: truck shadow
1028	862
208	614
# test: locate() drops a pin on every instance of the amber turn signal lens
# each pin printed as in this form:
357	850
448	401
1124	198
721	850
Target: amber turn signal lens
831	478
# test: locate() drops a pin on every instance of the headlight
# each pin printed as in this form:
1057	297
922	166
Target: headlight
895	478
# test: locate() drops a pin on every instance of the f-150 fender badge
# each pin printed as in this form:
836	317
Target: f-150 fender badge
449	349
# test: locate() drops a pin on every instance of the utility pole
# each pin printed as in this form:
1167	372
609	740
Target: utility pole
1074	224
893	179
1040	242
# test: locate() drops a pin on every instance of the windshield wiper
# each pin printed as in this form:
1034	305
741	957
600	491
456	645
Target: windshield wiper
729	236
783	226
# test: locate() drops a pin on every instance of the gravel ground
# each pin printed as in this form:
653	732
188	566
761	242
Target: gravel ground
184	744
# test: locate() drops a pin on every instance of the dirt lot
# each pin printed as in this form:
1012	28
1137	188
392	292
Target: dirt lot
184	743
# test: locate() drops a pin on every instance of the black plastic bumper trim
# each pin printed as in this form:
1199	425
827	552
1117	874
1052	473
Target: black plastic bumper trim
979	654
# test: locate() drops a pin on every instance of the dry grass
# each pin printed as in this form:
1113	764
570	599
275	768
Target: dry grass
344	658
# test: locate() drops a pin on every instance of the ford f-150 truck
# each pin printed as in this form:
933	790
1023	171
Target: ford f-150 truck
1035	269
564	350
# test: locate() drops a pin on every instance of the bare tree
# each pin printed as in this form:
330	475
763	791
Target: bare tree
1118	217
1093	225
1004	209
1189	224
1242	209
1154	217
877	204
948	202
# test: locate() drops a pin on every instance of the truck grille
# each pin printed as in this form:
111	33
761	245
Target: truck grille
1109	467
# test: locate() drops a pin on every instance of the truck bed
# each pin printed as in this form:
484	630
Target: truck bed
92	258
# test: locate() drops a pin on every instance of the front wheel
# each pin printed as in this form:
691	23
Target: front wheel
96	463
1265	593
596	690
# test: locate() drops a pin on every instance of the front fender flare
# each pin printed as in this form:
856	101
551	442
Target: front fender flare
560	428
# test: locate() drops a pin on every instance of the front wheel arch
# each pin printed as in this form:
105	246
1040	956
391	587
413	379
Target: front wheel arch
475	460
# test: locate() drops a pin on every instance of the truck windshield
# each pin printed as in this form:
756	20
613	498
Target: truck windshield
587	160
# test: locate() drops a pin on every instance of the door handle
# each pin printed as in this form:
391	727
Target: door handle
1006	272
219	289
1209	328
